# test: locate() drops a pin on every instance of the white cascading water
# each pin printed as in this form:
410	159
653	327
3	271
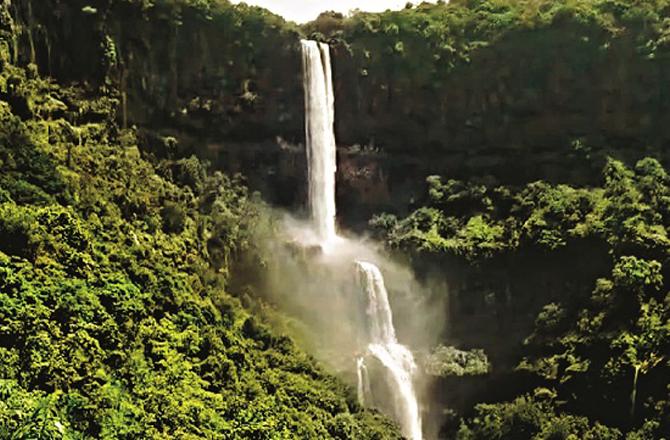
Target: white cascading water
384	346
320	138
364	392
380	339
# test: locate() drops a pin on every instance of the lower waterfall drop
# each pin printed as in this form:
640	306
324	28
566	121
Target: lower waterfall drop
363	388
383	345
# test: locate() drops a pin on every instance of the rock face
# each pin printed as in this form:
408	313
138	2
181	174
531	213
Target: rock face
211	70
547	103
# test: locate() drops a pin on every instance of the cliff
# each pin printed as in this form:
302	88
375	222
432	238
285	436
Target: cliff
513	90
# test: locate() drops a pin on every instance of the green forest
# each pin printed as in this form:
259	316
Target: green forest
513	152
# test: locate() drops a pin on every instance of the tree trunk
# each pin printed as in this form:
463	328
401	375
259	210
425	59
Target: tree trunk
633	394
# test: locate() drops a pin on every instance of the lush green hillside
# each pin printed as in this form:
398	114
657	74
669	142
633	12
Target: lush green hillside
500	87
562	280
516	90
600	345
502	75
203	68
545	123
114	317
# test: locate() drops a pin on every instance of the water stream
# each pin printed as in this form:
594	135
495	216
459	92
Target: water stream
320	138
379	338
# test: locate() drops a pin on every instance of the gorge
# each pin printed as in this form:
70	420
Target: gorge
446	222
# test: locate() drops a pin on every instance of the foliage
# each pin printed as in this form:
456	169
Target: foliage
622	334
449	361
498	75
628	213
531	417
605	354
114	317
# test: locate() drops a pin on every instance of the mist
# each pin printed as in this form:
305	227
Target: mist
321	288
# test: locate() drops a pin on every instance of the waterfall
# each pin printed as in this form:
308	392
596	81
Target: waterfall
383	345
364	392
380	338
320	138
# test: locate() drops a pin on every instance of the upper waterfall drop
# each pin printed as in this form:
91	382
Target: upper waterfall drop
320	138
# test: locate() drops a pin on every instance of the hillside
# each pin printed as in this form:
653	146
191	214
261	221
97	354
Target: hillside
114	317
508	158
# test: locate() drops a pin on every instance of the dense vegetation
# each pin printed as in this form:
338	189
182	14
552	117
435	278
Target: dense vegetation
605	354
204	68
502	74
513	80
116	246
114	317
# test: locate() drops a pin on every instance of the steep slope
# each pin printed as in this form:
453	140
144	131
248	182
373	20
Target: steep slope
518	90
566	290
114	319
202	67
